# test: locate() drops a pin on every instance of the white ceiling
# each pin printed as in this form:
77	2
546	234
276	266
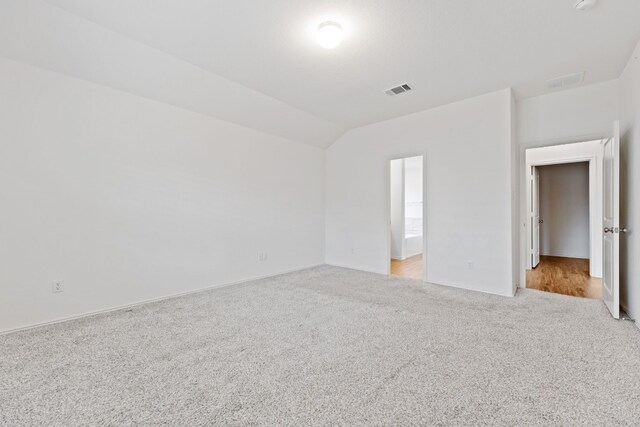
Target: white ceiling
446	50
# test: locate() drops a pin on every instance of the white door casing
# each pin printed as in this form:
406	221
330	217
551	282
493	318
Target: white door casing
611	223
543	155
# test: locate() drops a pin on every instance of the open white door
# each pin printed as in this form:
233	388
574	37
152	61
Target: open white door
535	217
611	223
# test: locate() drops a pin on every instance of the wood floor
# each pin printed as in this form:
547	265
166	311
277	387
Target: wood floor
568	276
410	267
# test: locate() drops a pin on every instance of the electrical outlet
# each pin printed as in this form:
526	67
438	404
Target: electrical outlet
263	256
57	287
470	265
353	251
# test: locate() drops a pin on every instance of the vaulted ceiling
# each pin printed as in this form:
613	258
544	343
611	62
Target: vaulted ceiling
256	62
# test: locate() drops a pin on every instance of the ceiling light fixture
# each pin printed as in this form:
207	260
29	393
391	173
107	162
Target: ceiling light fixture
584	4
329	34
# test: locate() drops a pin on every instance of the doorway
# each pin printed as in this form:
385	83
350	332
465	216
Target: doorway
603	156
565	197
560	224
406	208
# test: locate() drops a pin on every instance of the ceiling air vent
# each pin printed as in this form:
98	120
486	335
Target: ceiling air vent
565	81
398	90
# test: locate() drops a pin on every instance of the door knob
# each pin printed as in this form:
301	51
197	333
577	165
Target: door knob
608	230
623	229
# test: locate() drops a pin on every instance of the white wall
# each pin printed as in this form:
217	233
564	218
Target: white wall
468	150
413	188
630	188
414	208
397	208
126	199
579	114
564	210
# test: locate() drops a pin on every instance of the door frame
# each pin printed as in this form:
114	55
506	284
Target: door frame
521	172
613	222
593	194
387	209
534	183
403	242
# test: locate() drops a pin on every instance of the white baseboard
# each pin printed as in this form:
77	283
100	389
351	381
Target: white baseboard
412	254
480	291
149	301
350	267
406	257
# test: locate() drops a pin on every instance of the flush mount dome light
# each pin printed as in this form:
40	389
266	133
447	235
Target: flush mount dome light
584	4
329	34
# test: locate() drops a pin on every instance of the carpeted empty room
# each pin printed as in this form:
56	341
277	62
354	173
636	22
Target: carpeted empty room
318	213
329	346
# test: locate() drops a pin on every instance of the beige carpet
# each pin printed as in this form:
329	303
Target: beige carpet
329	346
